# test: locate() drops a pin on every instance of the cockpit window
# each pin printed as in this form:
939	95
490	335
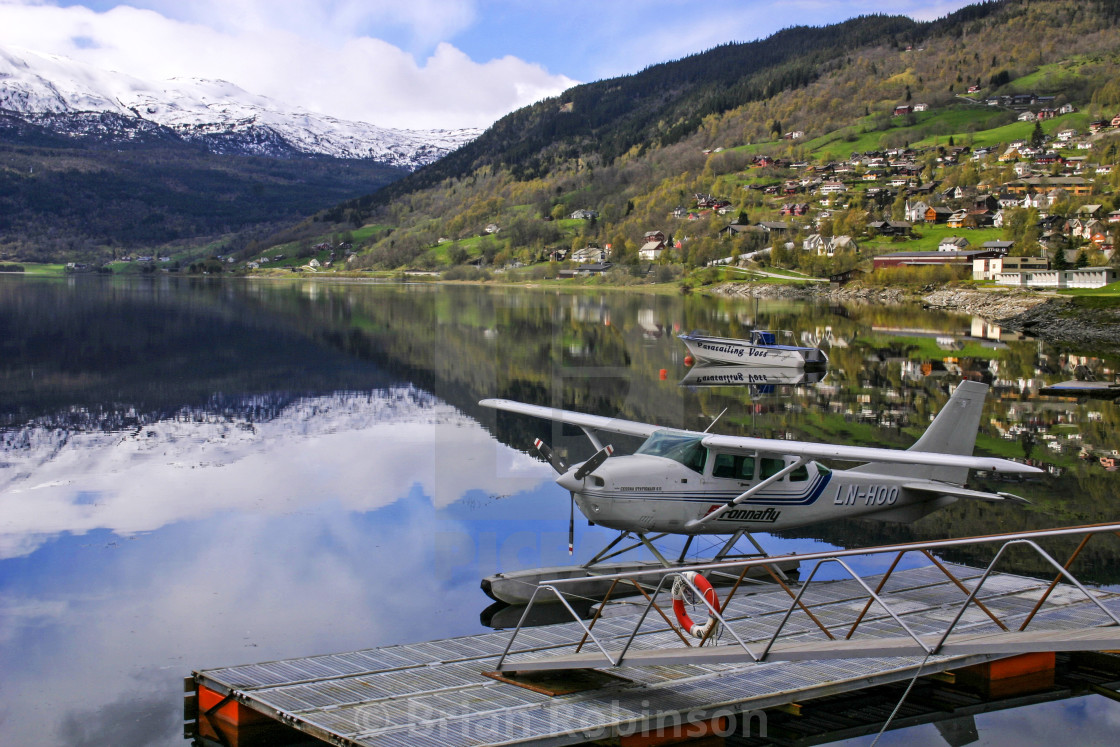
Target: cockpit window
734	466
684	448
771	466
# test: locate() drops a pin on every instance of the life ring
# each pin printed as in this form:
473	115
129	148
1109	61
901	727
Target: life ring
705	588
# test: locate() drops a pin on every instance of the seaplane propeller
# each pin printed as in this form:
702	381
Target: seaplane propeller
561	467
550	456
594	462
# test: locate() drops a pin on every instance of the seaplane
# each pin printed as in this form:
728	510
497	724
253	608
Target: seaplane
692	483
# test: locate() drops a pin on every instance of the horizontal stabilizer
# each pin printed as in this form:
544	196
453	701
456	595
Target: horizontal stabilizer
941	488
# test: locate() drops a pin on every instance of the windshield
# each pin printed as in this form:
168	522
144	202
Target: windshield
680	447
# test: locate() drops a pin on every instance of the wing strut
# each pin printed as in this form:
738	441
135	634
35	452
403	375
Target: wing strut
747	495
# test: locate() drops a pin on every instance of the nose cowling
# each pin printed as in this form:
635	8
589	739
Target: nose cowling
569	482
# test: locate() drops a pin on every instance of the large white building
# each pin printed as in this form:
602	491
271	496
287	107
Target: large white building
1086	277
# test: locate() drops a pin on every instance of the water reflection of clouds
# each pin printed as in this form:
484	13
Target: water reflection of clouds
1088	720
241	586
357	450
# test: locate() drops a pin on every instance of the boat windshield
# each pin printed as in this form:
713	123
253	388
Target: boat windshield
681	447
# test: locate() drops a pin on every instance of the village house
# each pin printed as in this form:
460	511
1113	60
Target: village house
890	227
653	246
938	214
991	268
591	253
916	211
776	227
584	215
953	244
828	246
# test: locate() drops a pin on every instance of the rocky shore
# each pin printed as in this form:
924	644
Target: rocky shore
1044	316
853	292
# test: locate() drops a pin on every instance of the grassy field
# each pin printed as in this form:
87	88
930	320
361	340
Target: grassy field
931	236
30	268
1111	290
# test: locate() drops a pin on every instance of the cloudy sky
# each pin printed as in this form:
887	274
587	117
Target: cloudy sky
409	63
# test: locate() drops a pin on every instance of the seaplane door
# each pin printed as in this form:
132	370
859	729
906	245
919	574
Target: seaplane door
731	472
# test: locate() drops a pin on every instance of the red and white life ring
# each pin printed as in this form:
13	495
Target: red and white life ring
679	588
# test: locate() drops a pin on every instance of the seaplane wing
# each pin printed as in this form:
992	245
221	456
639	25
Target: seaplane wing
595	422
943	488
750	445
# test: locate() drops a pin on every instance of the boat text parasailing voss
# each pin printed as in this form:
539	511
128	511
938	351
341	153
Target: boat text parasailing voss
762	349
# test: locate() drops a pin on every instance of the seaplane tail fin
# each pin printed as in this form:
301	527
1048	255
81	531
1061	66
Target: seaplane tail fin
953	431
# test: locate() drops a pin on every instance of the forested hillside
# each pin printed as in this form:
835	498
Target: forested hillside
80	199
737	123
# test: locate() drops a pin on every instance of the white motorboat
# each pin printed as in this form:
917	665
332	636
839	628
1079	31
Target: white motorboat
762	349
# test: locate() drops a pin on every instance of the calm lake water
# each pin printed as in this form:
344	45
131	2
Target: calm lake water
200	473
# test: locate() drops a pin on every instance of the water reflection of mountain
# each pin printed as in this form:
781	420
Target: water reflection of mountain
116	354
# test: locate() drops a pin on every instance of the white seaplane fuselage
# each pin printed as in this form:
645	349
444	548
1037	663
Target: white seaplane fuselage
689	482
668	493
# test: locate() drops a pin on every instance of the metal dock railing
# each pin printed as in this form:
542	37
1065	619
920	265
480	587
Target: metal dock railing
445	692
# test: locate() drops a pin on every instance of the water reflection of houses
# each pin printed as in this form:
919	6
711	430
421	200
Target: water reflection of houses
593	310
987	334
652	329
986	331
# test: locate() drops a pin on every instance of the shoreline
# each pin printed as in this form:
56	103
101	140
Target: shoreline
1045	316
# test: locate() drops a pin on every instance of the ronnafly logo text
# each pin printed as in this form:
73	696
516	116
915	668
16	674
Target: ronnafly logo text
754	515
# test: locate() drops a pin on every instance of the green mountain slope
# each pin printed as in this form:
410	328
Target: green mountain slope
635	148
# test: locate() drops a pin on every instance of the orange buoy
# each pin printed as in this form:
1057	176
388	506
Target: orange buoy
705	588
689	360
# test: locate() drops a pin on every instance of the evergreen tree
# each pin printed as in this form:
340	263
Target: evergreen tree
1037	135
1060	261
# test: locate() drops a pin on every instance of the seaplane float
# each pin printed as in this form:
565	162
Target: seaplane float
761	349
691	483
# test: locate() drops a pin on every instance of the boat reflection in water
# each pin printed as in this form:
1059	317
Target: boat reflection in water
765	378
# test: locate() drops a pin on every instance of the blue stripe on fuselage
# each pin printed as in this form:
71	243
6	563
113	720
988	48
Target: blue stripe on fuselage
806	498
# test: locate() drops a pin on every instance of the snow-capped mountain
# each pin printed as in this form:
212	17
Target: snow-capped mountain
71	98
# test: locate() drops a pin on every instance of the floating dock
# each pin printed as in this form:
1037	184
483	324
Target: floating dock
446	693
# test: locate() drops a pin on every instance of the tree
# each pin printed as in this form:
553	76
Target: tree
1082	259
1037	135
1060	261
457	255
898	207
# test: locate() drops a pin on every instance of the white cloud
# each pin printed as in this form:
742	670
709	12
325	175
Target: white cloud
300	52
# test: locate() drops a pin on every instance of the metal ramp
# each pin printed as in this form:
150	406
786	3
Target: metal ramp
988	635
962	644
